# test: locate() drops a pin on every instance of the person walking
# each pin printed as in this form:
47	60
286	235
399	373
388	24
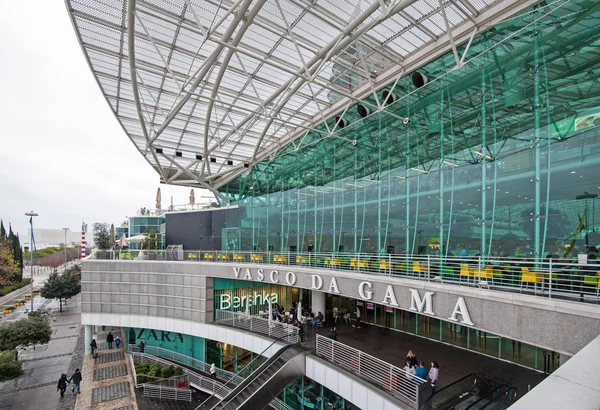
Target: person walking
94	347
76	379
109	340
62	384
357	325
332	334
434	374
213	371
421	371
117	342
141	346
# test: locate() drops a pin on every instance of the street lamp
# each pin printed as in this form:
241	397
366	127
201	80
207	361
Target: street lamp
31	215
65	229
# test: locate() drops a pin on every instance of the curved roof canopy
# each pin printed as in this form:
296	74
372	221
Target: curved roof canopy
219	85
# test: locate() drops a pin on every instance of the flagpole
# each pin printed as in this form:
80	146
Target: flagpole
31	215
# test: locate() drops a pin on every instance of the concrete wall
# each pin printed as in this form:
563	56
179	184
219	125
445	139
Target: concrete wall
184	290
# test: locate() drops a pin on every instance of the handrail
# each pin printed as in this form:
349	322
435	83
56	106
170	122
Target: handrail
460	394
250	365
257	324
483	401
387	376
558	277
509	393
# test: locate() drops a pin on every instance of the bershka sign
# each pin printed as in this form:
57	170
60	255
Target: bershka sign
226	301
416	302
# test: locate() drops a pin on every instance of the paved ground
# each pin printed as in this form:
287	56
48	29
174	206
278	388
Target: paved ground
43	365
392	346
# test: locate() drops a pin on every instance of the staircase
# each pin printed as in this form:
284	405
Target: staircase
262	386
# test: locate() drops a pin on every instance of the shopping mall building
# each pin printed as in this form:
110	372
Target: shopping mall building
431	164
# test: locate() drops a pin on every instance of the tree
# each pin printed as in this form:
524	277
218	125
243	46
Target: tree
9	367
61	287
8	267
102	236
151	240
2	230
35	330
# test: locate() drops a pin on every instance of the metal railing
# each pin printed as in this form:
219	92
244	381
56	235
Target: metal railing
208	385
166	393
557	277
385	375
273	328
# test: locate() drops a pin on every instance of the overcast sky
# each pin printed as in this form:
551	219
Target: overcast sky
63	155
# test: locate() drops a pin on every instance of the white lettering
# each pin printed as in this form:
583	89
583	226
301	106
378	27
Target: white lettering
317	282
461	309
236	272
366	295
236	302
225	302
333	286
272	276
261	274
290	278
248	275
390	297
274	298
257	298
417	304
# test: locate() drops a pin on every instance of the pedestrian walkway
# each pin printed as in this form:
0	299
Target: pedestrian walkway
107	381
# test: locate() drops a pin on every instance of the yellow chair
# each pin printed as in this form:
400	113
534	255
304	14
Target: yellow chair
465	271
335	262
363	264
353	263
298	259
209	256
256	258
239	257
383	264
417	268
528	276
486	273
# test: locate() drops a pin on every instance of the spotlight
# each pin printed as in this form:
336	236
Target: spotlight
363	111
246	165
229	162
419	80
159	150
199	157
178	154
388	98
341	122
213	160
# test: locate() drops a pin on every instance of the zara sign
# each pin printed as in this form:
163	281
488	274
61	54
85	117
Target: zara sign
365	290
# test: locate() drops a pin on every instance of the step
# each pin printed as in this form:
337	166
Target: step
110	356
110	372
110	392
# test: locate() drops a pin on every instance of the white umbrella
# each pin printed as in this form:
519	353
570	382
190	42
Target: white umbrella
270	311
136	238
192	198
299	311
158	201
123	241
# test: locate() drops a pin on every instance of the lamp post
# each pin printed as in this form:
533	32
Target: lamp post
31	215
65	267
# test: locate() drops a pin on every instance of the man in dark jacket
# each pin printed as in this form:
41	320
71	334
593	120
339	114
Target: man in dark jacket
332	334
76	379
141	346
62	384
109	340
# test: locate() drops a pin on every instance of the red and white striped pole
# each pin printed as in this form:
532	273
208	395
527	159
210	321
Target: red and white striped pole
82	240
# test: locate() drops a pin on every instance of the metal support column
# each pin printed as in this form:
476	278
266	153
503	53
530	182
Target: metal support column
483	249
536	109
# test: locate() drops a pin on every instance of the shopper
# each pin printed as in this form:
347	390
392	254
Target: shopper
357	325
410	356
332	334
94	346
213	371
76	379
117	342
421	371
409	368
434	373
318	319
109	340
62	384
141	346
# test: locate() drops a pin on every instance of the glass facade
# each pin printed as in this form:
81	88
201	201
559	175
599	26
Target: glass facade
498	157
139	225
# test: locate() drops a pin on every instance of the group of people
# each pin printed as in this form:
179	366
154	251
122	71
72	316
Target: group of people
418	369
62	383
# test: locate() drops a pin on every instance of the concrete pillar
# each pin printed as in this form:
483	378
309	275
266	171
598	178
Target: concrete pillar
318	302
88	338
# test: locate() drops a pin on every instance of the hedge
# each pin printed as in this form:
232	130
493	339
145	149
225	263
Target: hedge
7	289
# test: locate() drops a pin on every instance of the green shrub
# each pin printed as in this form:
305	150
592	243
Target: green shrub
7	289
141	379
166	372
152	373
178	371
